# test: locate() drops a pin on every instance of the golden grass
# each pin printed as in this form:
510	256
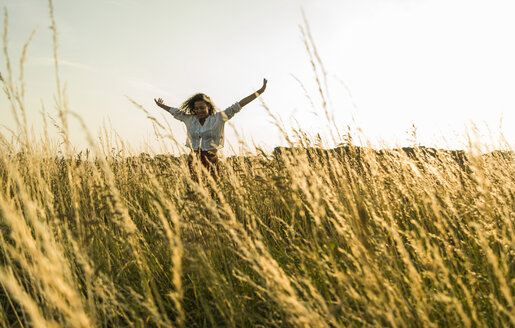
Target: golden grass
301	238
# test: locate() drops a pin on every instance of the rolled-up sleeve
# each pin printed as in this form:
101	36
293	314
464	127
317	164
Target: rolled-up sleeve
229	112
181	116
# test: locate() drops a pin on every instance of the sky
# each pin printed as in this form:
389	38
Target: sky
445	67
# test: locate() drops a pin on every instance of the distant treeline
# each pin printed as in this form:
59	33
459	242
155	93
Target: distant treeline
354	153
415	153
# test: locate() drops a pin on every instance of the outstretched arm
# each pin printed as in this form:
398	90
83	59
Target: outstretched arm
253	96
174	111
160	103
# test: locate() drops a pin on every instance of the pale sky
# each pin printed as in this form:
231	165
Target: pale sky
437	64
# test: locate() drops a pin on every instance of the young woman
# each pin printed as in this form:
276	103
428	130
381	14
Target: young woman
205	126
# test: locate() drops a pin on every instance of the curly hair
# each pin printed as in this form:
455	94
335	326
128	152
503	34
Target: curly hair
187	106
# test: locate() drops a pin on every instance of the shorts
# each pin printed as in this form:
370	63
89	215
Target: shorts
208	158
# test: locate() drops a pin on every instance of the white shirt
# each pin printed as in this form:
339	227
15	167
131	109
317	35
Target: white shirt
211	134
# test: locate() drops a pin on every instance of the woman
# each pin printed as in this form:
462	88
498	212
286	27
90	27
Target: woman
205	126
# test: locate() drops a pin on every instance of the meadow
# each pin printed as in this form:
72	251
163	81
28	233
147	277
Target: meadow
302	237
298	238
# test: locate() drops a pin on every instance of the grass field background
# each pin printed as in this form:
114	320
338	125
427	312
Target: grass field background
302	238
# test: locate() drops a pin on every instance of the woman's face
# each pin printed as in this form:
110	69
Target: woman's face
201	109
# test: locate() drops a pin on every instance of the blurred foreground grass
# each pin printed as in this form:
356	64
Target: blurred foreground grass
300	238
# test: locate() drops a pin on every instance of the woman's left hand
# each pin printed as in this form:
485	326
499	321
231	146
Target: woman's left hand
263	87
254	95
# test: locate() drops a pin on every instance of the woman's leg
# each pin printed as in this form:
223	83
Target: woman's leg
211	162
192	157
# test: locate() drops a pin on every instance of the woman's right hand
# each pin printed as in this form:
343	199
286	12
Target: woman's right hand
159	102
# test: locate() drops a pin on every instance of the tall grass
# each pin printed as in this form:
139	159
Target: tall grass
298	238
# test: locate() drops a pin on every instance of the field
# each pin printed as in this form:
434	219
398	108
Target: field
299	238
302	237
